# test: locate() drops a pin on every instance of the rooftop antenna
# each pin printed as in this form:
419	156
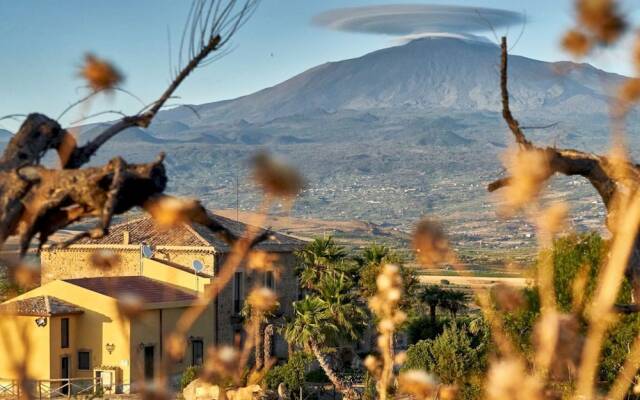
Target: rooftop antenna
237	198
145	252
198	267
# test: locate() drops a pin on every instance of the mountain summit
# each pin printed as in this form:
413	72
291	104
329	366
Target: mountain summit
426	73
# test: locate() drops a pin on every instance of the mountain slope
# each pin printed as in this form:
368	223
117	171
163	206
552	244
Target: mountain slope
428	73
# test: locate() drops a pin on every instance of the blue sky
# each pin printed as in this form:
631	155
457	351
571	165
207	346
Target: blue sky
43	43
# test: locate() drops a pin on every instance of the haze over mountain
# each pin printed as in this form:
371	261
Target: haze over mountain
388	137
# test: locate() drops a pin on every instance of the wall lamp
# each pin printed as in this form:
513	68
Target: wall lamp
110	347
41	322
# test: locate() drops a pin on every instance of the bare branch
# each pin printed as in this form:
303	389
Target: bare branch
210	27
513	123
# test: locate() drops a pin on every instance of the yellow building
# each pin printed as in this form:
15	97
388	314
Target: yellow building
77	325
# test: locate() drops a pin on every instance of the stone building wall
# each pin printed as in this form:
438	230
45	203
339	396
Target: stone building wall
286	287
75	262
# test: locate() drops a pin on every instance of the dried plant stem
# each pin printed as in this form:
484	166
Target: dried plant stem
628	371
238	253
609	282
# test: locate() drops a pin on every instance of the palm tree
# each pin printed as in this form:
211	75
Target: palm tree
454	301
315	328
317	258
432	295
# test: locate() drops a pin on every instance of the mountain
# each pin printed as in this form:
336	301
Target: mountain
389	137
5	135
427	73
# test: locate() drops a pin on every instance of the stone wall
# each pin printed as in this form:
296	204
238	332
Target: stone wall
229	323
75	262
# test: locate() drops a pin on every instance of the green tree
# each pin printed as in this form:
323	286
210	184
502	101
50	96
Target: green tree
576	257
453	357
454	301
432	296
292	374
370	262
315	328
320	257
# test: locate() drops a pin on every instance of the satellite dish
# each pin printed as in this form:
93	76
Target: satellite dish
147	252
198	266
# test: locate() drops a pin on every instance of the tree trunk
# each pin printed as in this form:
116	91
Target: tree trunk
347	392
268	342
432	313
259	354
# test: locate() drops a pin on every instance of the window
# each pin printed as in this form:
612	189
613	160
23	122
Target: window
84	360
269	280
64	333
197	352
237	292
238	338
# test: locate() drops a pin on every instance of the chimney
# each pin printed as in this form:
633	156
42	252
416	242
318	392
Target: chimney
125	237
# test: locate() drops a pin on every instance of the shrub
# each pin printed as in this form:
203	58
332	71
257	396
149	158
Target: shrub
420	328
292	374
452	357
189	375
572	256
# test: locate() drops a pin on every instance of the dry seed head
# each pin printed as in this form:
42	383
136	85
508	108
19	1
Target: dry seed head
552	219
448	392
220	363
100	74
529	170
169	211
105	260
262	300
400	358
602	18
430	243
371	363
418	383
507	380
506	297
25	275
176	345
576	43
262	260
275	177
630	91
130	305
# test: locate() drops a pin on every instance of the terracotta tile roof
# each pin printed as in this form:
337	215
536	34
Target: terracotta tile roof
144	230
39	306
148	291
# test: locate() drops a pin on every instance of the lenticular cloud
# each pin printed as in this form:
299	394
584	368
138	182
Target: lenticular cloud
417	19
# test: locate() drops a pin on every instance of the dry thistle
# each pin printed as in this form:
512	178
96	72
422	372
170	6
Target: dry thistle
275	177
220	364
508	380
100	74
418	384
168	211
602	19
385	304
176	345
506	297
105	260
576	43
262	300
262	261
130	305
630	91
529	170
430	243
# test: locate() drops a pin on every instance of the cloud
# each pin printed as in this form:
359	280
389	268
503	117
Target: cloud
417	19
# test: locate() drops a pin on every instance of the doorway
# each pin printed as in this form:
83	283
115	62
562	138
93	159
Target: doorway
64	375
149	362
